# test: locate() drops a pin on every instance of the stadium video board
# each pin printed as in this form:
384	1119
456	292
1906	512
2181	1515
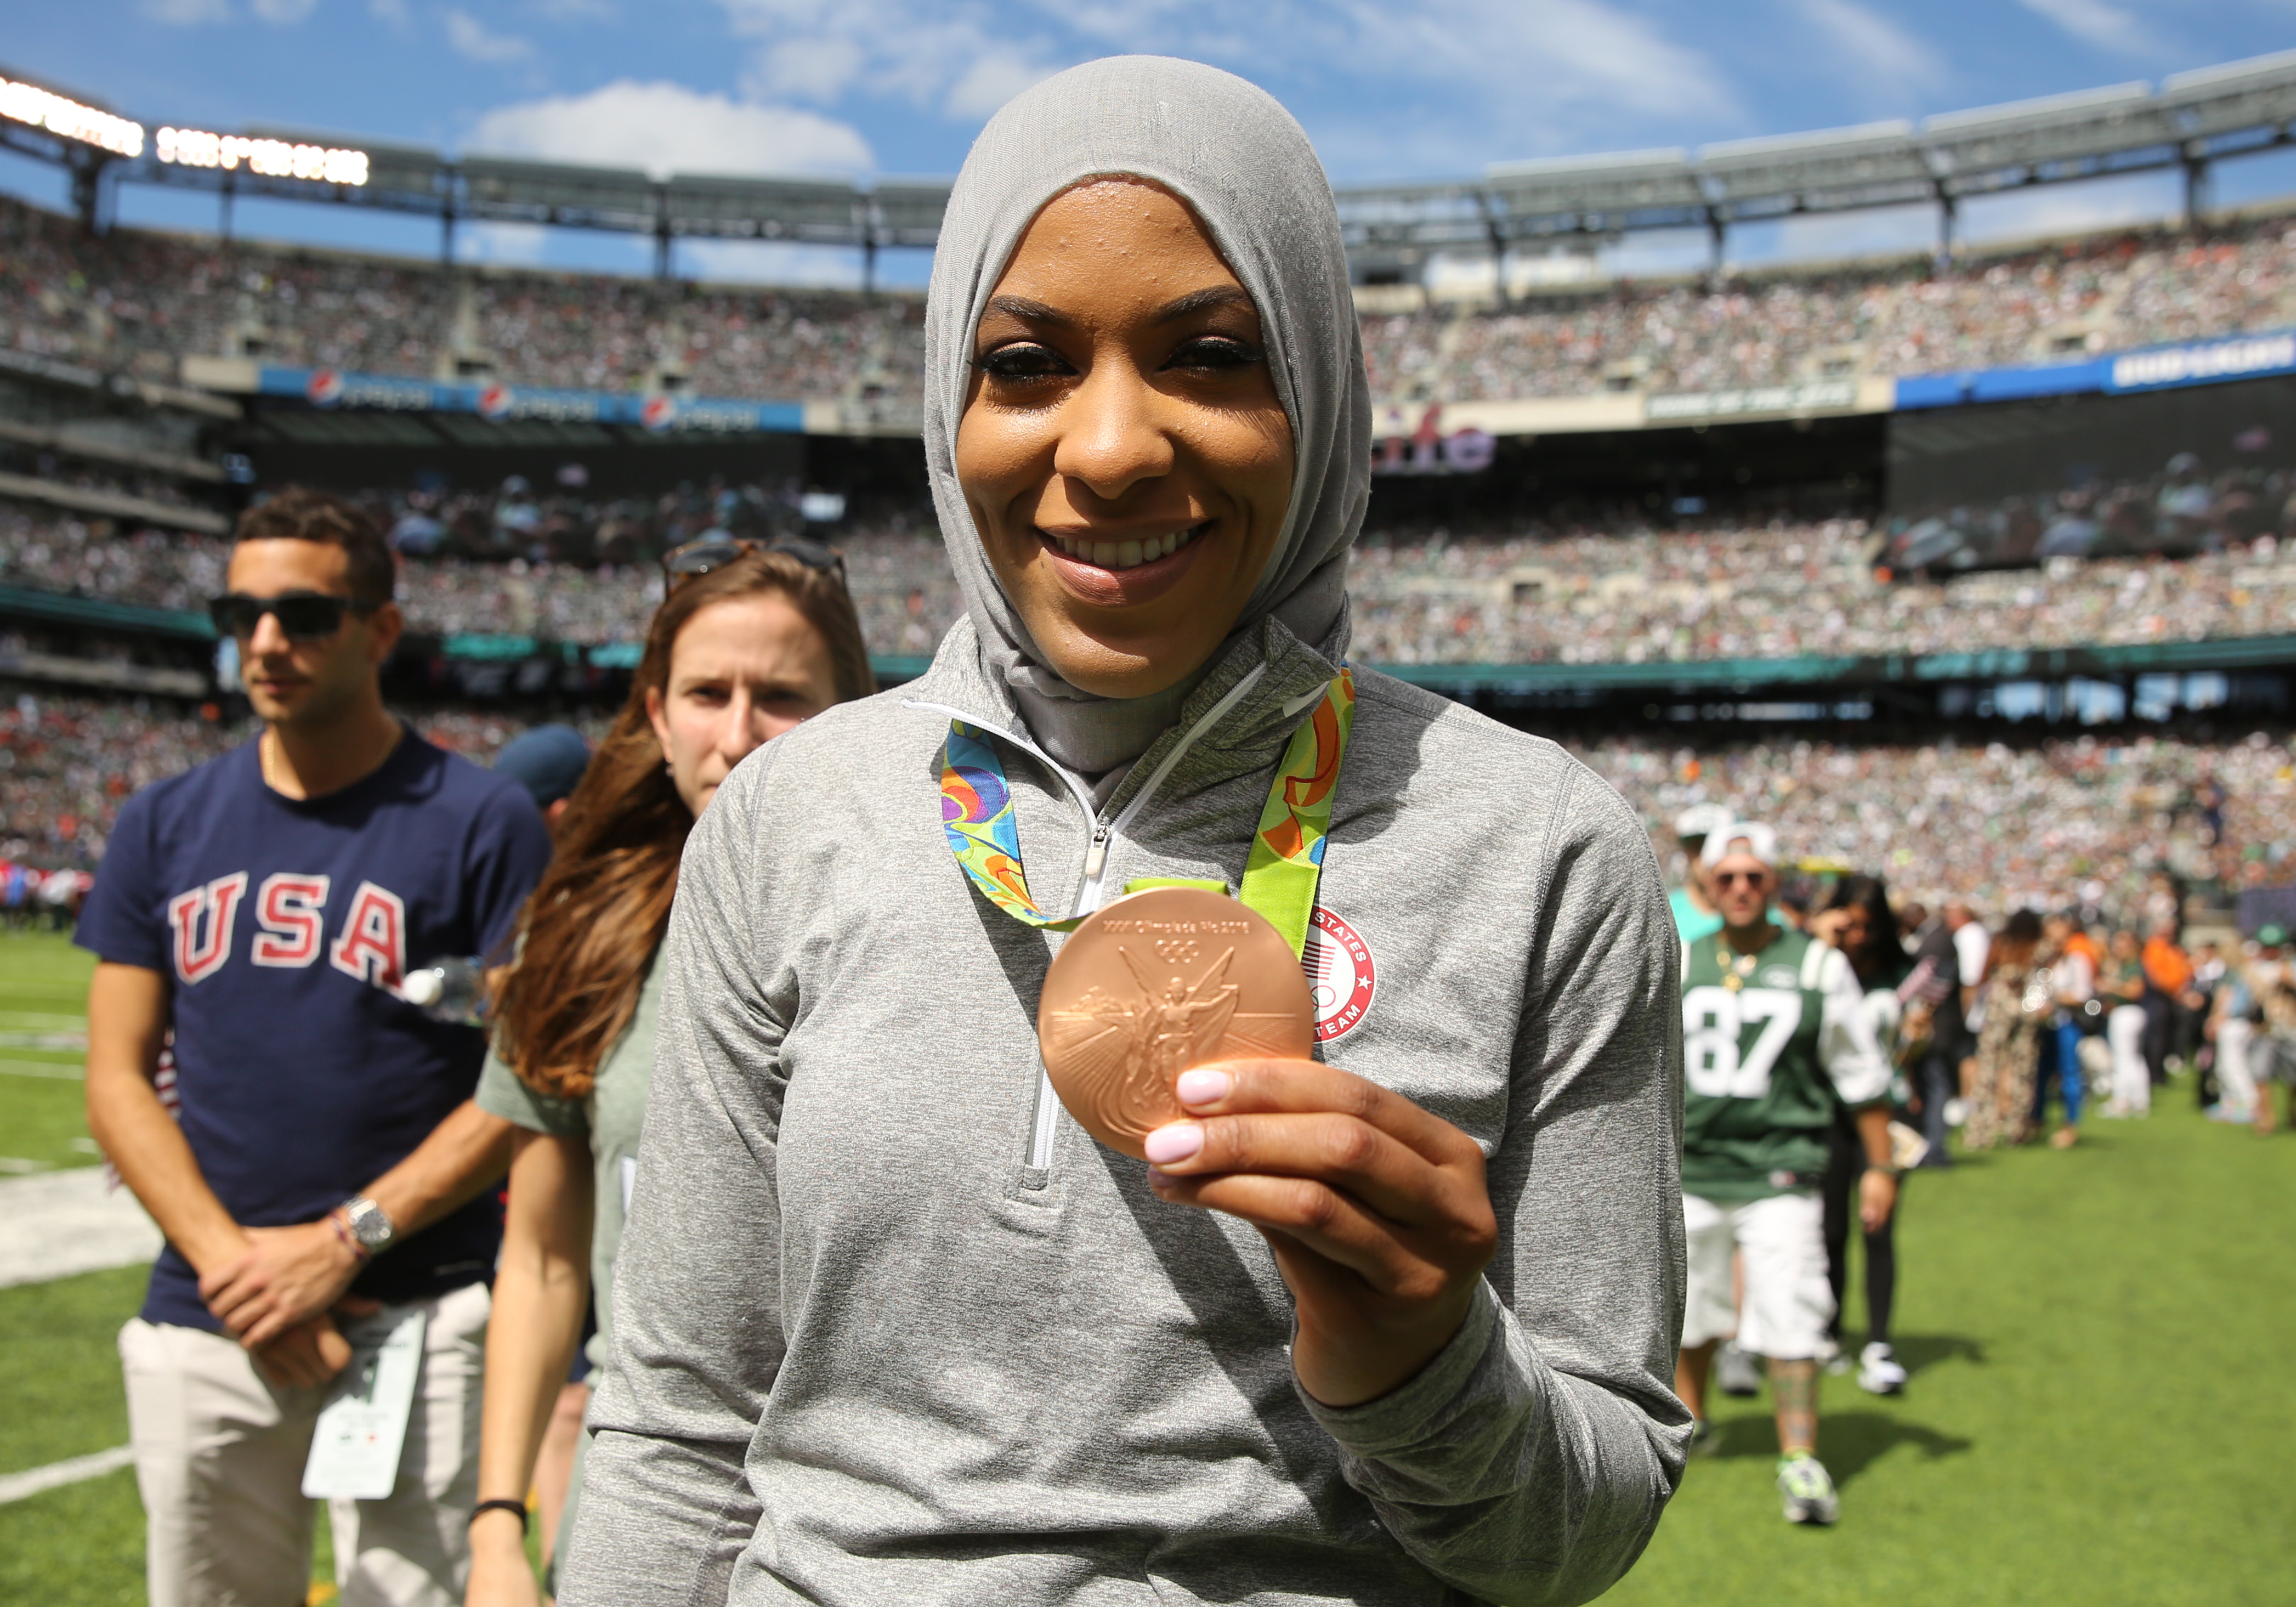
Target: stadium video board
2176	471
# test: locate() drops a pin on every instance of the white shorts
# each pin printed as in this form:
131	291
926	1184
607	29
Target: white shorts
1788	1300
219	1455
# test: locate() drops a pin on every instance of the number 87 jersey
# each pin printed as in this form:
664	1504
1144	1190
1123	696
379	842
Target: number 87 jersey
1769	1051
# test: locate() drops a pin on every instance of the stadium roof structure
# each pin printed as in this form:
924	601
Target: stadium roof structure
2188	121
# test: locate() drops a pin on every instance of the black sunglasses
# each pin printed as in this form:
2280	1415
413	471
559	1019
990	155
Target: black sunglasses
1750	878
716	552
302	616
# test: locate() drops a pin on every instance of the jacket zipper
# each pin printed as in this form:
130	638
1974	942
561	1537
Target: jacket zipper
1046	1123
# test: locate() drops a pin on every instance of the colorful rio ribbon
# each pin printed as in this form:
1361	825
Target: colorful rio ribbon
1280	874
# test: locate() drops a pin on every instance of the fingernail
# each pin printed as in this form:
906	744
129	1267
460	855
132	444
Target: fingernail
1178	1141
1202	1087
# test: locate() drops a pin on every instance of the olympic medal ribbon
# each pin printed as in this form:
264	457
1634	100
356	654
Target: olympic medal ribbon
1287	852
1280	874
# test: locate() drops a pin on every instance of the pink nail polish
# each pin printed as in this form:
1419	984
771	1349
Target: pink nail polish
1176	1141
1202	1087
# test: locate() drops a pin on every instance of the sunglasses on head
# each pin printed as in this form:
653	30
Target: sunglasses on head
302	616
682	564
1750	878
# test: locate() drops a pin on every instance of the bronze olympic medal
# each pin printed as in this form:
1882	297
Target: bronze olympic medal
1153	984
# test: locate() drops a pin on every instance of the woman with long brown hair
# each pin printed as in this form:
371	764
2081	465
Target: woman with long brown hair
749	643
2009	1046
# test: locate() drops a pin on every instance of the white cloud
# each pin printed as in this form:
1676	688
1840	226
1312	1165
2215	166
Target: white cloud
473	42
670	128
2107	27
283	11
575	11
1877	47
1511	73
1532	61
989	82
392	13
186	14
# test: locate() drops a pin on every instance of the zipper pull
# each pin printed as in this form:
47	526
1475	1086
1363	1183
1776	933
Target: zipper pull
1097	855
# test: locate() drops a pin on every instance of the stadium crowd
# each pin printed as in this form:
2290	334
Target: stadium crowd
1905	317
561	570
139	302
2042	824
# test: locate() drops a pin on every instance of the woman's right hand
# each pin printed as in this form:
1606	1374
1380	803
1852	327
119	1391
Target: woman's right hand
500	1575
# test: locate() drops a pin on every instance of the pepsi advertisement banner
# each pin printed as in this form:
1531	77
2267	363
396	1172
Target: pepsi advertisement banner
335	388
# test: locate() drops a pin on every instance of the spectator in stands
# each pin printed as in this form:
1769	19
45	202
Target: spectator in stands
323	1194
737	655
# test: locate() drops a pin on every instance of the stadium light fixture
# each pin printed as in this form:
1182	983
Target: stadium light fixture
67	118
267	159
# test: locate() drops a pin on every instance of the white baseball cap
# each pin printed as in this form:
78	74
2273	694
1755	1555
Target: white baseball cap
1760	841
1701	820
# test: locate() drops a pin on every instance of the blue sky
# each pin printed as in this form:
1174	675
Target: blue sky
1403	88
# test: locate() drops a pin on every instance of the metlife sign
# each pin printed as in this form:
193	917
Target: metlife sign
2202	363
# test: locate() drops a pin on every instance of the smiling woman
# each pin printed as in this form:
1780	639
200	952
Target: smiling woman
890	1324
1123	452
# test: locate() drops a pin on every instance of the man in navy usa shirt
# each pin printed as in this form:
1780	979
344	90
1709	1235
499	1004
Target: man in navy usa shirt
330	1172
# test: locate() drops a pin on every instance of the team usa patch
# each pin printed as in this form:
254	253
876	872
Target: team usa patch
1341	976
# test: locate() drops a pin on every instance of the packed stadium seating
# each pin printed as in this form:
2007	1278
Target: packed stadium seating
1903	317
1628	593
139	301
67	763
2042	825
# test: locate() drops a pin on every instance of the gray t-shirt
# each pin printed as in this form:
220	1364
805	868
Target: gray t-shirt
611	1119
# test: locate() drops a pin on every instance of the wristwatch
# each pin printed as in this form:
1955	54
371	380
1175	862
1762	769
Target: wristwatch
369	1223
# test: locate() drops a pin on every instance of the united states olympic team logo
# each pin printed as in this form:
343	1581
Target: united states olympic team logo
1340	974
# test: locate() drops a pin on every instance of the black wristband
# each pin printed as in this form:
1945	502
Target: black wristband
502	1503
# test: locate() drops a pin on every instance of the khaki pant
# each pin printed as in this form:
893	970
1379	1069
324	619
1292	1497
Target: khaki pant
219	1455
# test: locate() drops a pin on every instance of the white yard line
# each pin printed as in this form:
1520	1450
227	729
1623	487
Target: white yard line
74	1469
43	1068
58	1225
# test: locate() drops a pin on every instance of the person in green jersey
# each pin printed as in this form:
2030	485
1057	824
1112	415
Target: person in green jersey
1691	906
1775	1033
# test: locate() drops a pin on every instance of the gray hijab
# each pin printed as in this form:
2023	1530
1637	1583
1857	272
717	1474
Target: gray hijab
1238	159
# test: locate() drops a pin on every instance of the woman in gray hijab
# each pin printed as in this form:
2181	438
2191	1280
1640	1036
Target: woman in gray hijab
1396	1324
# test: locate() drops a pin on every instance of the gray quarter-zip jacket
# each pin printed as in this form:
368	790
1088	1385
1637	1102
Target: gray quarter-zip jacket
891	1329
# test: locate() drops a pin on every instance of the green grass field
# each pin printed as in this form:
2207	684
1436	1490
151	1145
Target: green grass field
43	1041
2099	1412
